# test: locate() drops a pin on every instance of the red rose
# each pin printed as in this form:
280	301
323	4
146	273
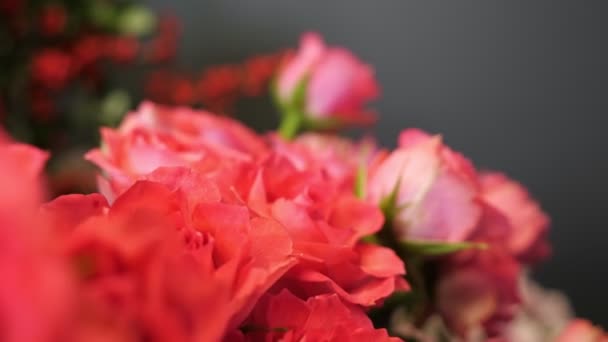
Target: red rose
171	260
35	287
321	318
326	223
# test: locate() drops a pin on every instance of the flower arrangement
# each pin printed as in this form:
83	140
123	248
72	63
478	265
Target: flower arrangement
204	230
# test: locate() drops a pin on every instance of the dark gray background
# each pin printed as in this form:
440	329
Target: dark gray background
519	86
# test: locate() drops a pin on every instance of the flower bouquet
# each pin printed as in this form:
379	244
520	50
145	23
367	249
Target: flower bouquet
204	230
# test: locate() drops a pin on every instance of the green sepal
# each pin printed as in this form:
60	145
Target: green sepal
292	115
361	182
373	239
388	204
435	248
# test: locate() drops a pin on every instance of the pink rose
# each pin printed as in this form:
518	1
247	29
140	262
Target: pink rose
580	330
436	189
337	87
155	136
528	224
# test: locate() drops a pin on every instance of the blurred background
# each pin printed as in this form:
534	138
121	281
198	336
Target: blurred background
516	86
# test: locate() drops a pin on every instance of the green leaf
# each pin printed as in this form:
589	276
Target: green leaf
435	248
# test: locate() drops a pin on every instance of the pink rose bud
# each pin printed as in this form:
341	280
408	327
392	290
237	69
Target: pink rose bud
435	189
328	86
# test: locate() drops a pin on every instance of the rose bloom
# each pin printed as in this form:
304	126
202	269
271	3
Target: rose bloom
338	84
285	317
580	330
282	182
477	292
436	189
35	286
169	260
337	158
155	136
529	225
326	224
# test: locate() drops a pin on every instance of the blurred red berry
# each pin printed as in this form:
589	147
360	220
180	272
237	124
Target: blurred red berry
53	20
87	50
257	74
182	92
122	49
220	84
51	68
157	86
162	50
164	46
42	105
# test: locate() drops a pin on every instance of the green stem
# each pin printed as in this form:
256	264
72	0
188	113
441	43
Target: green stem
290	124
420	300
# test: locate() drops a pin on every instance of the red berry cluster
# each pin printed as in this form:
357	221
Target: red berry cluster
217	87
